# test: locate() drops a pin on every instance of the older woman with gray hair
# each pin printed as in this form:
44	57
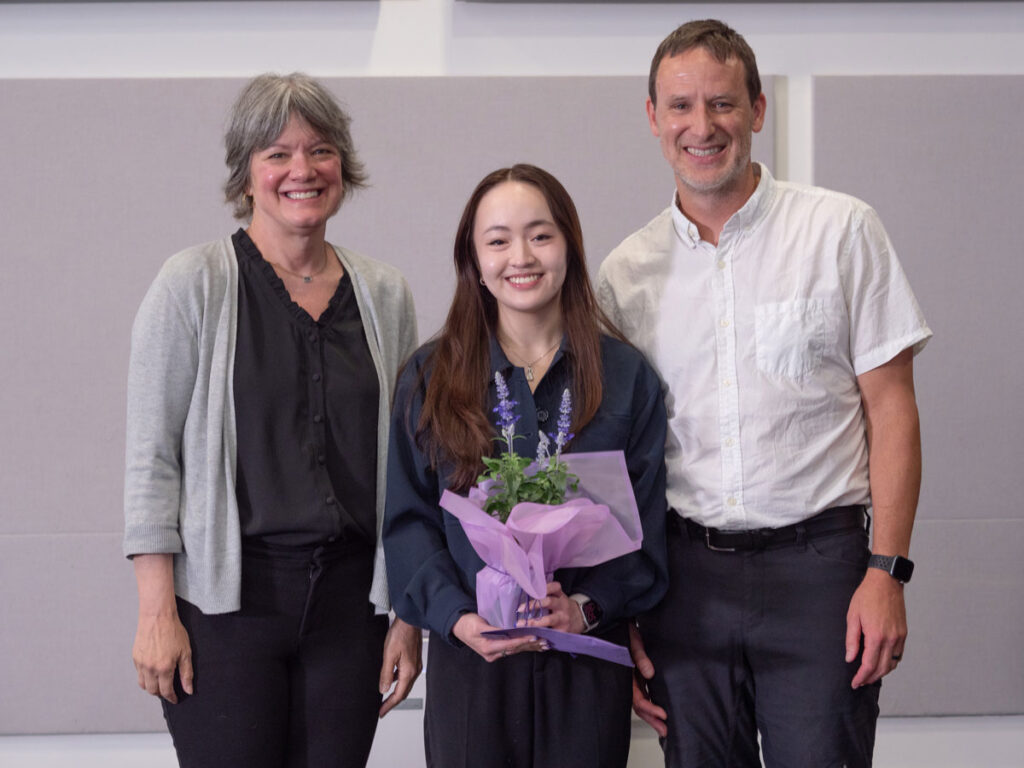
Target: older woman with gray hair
259	389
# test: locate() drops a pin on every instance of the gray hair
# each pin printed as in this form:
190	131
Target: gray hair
260	114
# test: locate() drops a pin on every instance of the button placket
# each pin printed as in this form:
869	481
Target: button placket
728	392
318	411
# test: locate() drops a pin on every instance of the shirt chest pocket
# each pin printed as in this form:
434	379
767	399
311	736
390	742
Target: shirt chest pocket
791	337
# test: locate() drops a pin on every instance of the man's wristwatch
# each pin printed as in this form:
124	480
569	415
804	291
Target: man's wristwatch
590	610
900	568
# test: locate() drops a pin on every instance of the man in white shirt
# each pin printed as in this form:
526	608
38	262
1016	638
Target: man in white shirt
784	330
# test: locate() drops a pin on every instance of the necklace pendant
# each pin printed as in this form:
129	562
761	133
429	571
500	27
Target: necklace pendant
307	278
529	373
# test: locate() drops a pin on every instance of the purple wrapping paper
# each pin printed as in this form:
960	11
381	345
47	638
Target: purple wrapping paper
600	522
569	643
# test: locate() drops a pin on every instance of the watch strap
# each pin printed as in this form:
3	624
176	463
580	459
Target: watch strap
900	568
589	610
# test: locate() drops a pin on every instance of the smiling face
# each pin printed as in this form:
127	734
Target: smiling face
295	183
704	120
520	251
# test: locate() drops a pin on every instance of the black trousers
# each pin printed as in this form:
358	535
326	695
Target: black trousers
292	678
530	710
755	641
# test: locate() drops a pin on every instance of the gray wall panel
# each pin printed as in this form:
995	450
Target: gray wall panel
941	161
108	179
966	619
117	176
66	636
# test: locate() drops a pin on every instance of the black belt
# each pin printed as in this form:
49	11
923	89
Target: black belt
832	520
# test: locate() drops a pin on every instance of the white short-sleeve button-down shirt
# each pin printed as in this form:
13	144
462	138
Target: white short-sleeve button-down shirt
759	342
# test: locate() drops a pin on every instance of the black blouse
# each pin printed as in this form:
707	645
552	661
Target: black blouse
306	405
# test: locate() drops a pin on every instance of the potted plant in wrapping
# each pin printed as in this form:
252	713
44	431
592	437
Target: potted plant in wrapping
527	518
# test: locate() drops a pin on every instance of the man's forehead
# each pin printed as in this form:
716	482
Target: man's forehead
698	66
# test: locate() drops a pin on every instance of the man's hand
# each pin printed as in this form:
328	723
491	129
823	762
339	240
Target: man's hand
877	612
645	709
878	615
403	662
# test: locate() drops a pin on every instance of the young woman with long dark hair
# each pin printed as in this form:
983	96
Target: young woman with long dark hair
524	307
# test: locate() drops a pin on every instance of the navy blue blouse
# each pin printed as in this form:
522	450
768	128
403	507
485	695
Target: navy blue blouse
432	566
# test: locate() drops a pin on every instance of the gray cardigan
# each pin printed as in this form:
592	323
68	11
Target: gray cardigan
179	492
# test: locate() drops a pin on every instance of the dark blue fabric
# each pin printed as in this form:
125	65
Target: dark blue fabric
431	564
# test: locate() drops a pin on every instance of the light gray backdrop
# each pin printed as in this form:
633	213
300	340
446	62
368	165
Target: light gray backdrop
106	179
941	160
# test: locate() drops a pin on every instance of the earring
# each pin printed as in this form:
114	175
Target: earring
482	282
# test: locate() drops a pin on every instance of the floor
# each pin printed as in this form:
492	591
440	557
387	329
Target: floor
949	742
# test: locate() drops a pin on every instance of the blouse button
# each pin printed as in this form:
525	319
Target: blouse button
316	377
318	418
542	415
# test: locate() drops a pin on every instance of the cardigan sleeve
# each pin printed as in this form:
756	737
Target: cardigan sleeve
408	334
162	372
426	590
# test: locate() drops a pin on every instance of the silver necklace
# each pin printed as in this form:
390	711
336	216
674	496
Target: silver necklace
305	278
529	366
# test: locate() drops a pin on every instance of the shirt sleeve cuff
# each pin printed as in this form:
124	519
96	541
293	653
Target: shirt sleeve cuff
886	352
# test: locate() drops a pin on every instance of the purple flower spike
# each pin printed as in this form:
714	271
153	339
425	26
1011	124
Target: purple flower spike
507	417
564	422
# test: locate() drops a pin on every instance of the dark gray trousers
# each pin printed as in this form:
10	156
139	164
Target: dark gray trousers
748	642
290	680
530	710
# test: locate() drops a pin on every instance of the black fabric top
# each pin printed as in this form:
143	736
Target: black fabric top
306	405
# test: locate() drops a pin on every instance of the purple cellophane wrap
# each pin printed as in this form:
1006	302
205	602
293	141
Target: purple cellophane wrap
567	642
600	522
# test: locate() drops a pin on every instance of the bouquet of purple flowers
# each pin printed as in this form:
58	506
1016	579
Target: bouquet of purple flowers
526	518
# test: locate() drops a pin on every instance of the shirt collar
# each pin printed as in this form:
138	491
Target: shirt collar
499	361
751	212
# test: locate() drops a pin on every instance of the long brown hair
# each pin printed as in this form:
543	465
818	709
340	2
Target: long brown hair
454	427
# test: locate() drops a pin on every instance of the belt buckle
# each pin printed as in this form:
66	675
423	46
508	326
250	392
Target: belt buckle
712	547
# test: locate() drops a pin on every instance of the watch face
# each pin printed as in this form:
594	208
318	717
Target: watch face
902	569
592	611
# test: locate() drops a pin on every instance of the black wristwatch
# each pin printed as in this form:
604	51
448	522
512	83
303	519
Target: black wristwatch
591	611
898	567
